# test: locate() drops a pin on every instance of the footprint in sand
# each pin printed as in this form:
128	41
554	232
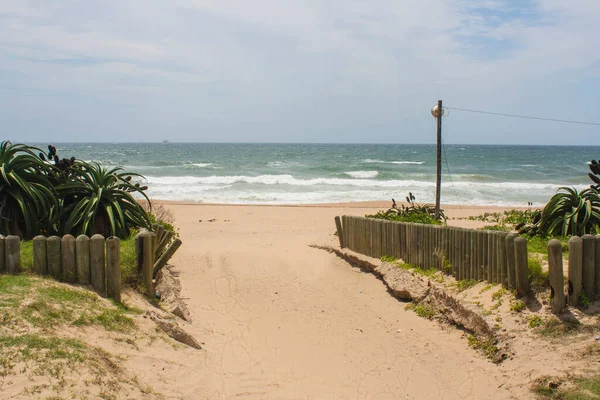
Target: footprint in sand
222	287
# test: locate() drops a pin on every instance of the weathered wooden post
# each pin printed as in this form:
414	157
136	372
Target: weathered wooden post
53	245
147	261
502	258
68	263
522	268
492	256
162	261
160	231
484	256
97	263
2	256
588	266
575	269
113	268
557	283
473	252
511	276
12	254
154	244
82	259
40	262
597	267
338	227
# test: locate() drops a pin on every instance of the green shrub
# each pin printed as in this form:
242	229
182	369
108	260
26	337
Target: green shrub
416	213
99	200
517	306
537	276
568	212
27	198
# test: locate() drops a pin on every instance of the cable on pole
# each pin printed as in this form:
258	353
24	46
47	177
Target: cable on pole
567	121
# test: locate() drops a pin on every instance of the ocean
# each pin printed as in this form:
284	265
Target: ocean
328	173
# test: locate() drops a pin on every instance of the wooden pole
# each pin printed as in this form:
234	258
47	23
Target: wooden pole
338	227
162	261
438	181
97	263
557	282
147	262
597	267
502	258
575	267
67	255
40	263
53	248
588	266
2	261
113	268
82	259
12	254
510	260
521	264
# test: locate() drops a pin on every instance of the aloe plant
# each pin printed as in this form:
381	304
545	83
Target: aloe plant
569	212
99	200
27	200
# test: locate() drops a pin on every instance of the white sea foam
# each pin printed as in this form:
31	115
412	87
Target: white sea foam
287	189
362	174
371	161
202	165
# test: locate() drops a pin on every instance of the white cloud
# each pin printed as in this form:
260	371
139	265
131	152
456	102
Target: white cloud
268	57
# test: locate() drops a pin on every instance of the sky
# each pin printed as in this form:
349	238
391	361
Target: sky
335	71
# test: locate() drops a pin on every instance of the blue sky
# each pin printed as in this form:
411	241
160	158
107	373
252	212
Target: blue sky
298	71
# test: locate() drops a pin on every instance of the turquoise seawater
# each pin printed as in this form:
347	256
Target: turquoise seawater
326	173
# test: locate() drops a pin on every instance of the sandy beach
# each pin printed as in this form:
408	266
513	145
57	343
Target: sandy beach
283	320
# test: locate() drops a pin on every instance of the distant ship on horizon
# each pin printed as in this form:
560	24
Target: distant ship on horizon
165	142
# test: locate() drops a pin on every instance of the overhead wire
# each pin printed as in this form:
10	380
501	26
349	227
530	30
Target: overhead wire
567	121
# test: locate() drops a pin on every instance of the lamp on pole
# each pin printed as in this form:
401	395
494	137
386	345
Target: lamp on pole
438	112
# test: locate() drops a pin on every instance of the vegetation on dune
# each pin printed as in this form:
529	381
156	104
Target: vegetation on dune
99	200
44	194
417	213
28	202
569	211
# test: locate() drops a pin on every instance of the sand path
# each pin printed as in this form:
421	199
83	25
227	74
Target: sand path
282	320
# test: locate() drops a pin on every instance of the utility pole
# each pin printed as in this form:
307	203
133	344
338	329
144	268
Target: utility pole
438	184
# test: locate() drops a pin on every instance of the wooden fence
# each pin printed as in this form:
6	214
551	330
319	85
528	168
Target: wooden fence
92	261
88	261
493	256
153	251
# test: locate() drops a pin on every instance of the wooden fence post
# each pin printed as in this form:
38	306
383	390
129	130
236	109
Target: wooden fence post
113	268
489	235
162	261
68	264
597	267
588	269
12	254
557	279
98	263
147	261
521	265
501	254
575	269
484	256
82	259
340	232
2	256
511	277
53	245
40	262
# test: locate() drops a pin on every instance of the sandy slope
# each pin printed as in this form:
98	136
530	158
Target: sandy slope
282	320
